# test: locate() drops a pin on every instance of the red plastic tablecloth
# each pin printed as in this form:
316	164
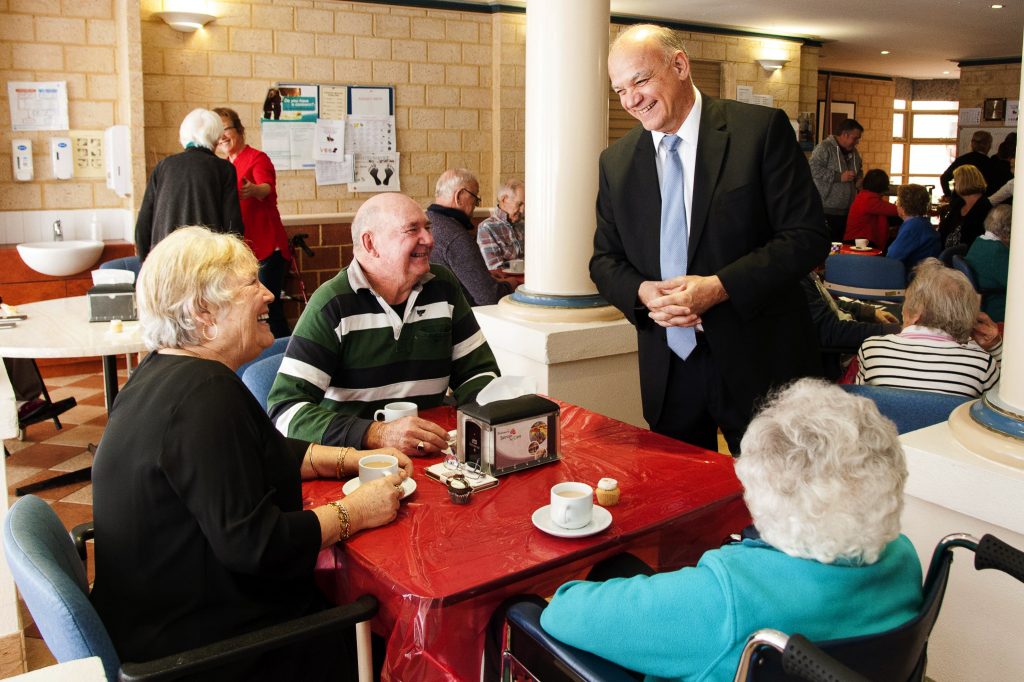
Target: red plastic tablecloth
440	569
850	251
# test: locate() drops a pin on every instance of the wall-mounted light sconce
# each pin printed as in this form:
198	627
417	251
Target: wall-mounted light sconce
186	22
772	64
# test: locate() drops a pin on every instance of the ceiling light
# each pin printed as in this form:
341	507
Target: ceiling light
997	6
945	73
772	64
186	22
885	51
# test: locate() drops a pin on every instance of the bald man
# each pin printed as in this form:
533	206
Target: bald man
388	327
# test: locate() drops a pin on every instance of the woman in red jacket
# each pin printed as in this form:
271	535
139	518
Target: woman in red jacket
257	196
870	213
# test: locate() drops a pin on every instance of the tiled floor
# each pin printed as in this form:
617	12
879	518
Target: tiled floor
46	451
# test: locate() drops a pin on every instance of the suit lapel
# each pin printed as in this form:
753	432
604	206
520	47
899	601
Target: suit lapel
646	202
712	142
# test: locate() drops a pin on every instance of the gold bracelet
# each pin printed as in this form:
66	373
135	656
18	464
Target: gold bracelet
309	456
339	464
346	527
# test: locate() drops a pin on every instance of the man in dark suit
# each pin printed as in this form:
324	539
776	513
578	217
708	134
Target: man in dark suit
708	268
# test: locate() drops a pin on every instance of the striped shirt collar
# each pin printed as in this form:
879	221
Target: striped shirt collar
357	279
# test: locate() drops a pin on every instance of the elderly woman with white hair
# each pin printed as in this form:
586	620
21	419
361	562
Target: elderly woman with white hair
989	255
946	345
195	187
823	475
200	527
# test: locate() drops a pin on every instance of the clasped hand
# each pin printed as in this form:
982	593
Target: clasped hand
411	435
680	301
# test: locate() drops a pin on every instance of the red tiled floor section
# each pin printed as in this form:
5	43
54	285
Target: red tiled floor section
47	451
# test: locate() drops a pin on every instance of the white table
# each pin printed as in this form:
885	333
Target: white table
60	328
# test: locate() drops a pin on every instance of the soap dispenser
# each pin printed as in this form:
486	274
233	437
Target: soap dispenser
95	232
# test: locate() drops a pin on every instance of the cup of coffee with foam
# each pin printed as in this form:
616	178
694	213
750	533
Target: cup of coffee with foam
572	505
393	411
373	467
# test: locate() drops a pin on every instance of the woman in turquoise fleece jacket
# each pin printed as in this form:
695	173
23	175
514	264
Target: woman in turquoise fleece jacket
823	475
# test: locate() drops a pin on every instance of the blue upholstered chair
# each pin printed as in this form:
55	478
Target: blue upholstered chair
259	376
50	574
276	348
910	409
946	256
960	263
865	277
127	263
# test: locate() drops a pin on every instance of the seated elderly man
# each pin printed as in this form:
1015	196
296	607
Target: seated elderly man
502	237
388	327
823	475
456	194
947	345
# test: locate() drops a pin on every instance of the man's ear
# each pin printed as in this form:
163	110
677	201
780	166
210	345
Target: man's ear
366	239
681	65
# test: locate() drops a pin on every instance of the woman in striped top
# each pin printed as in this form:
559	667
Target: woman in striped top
947	344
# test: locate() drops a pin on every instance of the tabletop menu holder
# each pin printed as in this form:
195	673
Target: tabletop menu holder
509	435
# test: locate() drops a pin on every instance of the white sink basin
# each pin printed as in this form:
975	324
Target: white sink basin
60	259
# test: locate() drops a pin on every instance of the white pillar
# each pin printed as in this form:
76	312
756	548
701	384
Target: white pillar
566	130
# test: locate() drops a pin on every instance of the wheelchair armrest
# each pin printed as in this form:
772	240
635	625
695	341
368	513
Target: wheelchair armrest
526	617
808	662
246	646
79	535
994	553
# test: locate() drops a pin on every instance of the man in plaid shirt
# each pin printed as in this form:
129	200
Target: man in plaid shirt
502	237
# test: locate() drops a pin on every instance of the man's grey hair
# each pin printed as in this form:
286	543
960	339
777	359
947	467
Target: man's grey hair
943	298
998	222
452	180
367	219
981	141
823	474
201	127
509	188
669	40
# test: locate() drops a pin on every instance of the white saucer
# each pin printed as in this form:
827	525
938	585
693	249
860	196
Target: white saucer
408	486
601	519
860	248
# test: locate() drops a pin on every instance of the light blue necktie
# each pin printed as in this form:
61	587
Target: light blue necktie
674	237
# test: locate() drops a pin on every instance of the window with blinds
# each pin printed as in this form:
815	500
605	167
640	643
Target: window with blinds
707	76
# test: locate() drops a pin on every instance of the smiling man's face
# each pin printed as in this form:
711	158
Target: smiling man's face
654	90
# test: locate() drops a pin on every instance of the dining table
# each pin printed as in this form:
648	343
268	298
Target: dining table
859	251
440	569
60	328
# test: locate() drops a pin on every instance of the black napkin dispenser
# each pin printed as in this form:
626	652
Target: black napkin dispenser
112	302
509	435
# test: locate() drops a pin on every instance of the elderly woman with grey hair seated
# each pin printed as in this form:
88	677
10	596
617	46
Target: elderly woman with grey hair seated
946	345
200	528
194	187
989	255
823	475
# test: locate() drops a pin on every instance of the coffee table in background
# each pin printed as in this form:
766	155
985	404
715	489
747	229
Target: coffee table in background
440	569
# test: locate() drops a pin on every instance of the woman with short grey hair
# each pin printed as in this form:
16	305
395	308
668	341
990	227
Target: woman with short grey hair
989	255
194	187
946	345
201	532
823	475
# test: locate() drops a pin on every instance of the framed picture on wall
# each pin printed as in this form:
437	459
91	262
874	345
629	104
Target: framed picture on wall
994	110
838	112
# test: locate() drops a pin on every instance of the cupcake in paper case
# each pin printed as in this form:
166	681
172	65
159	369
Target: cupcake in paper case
607	492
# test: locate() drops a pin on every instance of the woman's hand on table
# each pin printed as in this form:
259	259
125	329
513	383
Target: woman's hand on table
412	435
375	503
404	463
885	317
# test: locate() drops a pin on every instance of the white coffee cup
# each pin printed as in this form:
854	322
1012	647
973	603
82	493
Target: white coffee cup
393	411
517	266
572	505
861	243
373	467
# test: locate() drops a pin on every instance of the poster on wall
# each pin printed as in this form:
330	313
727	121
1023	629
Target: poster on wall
87	154
1012	106
365	134
289	145
838	112
333	102
376	173
292	103
38	105
371	100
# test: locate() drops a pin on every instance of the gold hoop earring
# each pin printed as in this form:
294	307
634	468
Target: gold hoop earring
216	332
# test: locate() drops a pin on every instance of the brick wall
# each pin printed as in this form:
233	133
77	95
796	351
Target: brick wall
978	83
873	98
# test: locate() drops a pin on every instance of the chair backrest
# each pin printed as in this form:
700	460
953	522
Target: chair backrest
946	256
865	277
909	409
127	263
259	377
52	580
959	263
276	348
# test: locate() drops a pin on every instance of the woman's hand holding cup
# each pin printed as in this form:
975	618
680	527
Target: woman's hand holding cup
375	503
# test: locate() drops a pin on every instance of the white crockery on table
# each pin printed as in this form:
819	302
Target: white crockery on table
408	487
601	519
